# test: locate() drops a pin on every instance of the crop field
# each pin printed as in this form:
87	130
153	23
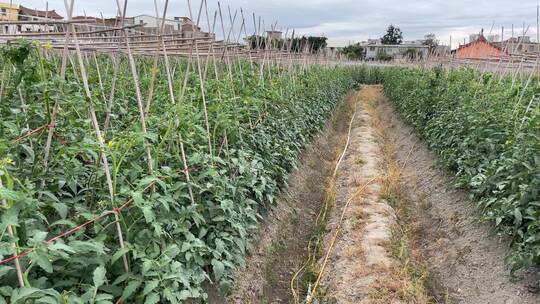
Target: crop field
184	191
149	168
485	129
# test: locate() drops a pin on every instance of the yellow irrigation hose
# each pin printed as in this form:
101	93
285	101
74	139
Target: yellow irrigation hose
347	143
311	296
322	213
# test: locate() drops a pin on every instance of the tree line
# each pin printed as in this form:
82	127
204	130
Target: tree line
312	44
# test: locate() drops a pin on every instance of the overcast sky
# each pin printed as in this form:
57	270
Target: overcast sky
345	21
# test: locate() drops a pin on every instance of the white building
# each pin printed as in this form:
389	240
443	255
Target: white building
396	51
19	13
179	25
152	24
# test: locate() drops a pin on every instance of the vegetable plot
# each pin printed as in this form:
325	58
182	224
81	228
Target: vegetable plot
486	130
158	197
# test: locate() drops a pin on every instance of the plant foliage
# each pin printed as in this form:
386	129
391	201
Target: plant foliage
393	35
258	124
485	130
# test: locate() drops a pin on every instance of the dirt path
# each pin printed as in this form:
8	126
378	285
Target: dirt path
361	267
282	242
410	237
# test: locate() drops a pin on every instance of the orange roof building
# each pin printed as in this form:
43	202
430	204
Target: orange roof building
480	49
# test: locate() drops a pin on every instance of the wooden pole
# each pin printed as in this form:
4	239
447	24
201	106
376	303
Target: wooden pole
201	82
14	246
99	135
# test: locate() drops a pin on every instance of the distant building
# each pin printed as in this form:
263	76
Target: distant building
492	38
480	48
29	14
89	23
274	35
519	45
191	30
332	50
8	12
397	51
183	26
94	21
13	12
152	24
441	51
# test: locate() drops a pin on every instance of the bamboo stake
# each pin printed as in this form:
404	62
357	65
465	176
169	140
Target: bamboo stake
111	95
156	56
52	122
201	84
225	49
98	135
211	51
13	245
138	94
172	99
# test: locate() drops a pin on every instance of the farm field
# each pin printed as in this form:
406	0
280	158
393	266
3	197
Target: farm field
404	232
187	189
150	168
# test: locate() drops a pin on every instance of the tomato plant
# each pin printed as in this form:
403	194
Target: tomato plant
179	234
486	130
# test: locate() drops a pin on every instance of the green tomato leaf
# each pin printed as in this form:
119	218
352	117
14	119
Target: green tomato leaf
99	276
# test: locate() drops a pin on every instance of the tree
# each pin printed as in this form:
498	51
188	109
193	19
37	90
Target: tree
431	41
262	42
353	52
256	42
393	35
311	43
299	44
317	43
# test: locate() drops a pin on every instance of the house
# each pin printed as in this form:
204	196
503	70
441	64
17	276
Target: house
274	35
152	24
191	30
183	26
8	12
480	48
98	22
396	51
28	14
519	45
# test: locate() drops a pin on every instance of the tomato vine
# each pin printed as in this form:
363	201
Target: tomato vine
258	127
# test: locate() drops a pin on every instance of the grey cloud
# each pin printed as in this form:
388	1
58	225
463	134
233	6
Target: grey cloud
347	20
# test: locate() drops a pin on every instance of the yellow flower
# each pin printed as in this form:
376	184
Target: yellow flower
102	138
7	161
110	144
47	46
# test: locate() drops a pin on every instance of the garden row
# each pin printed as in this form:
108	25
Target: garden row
187	187
486	130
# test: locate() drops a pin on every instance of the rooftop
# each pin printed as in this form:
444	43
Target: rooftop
37	13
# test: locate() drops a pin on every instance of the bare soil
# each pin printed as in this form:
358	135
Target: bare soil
282	243
359	259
